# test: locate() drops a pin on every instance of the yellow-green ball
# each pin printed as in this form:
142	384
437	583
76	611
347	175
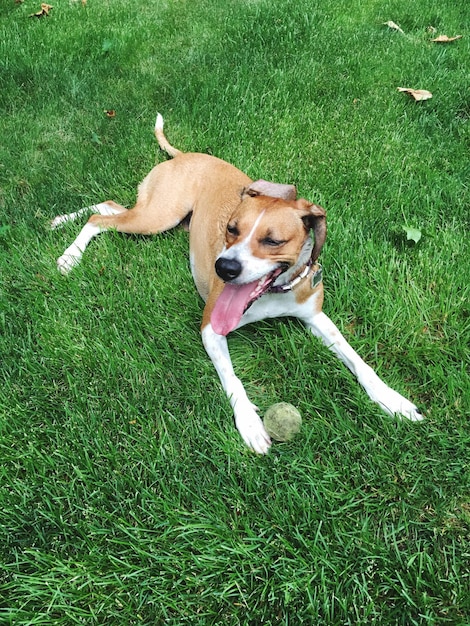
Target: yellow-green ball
282	421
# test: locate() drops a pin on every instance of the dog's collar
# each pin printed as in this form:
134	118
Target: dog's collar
317	277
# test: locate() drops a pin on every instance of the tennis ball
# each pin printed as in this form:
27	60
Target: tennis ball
282	421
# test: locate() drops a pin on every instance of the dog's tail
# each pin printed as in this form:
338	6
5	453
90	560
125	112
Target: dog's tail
162	140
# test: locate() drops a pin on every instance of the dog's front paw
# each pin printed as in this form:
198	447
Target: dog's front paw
69	259
409	411
252	430
395	404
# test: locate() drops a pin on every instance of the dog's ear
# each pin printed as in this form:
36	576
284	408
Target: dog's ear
314	218
274	190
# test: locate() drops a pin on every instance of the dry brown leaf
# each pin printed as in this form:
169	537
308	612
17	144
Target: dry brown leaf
417	94
45	8
445	39
394	26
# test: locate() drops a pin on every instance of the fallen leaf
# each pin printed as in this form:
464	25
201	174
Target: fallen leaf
417	94
445	39
45	8
412	234
393	26
110	112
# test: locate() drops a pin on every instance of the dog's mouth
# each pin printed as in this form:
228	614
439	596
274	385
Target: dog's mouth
236	299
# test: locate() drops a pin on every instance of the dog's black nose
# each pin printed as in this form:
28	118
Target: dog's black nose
228	269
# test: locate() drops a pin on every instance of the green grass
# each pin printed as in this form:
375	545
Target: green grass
126	494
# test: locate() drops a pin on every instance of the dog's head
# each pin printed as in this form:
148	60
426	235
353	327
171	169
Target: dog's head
267	232
265	236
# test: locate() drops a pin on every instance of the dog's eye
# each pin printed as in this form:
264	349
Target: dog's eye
272	243
233	230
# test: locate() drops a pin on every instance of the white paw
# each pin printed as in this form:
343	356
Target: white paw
251	428
69	259
410	411
395	404
59	221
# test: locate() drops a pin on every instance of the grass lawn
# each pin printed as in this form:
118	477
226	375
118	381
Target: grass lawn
126	495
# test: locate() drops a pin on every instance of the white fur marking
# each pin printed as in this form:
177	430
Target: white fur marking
254	268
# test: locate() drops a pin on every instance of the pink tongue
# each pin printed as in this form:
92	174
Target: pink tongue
230	306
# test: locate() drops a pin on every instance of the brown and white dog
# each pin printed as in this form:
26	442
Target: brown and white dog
252	257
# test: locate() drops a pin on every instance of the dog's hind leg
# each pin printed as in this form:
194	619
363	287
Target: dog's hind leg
74	252
148	217
160	205
104	208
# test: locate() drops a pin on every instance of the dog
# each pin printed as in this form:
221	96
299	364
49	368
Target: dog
254	249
